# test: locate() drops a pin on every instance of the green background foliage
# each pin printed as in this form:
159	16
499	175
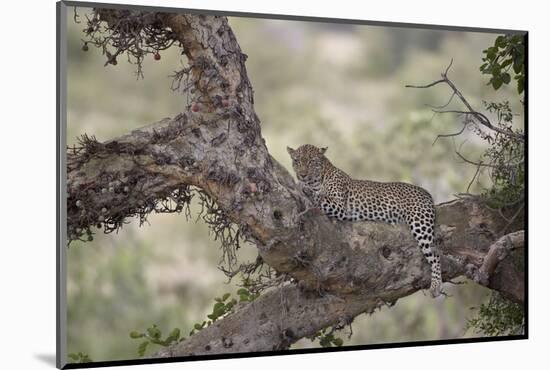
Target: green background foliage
507	55
332	85
498	316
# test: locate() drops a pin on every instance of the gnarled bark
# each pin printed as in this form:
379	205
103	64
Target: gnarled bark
339	269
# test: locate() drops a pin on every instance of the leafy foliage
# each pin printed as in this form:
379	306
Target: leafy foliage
498	316
327	338
222	307
79	358
154	335
505	160
506	163
505	56
246	296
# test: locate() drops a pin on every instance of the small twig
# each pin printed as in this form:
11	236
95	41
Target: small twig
426	86
444	105
76	16
350	330
479	164
480	118
473	178
451	135
447	69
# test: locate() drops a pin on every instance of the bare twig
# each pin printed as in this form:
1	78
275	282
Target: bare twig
426	86
444	105
76	17
473	178
453	134
480	118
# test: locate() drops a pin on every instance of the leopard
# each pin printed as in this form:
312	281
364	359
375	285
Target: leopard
343	198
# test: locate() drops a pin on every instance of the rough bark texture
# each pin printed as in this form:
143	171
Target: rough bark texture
342	269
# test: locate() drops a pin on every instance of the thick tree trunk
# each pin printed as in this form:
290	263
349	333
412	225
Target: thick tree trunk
339	269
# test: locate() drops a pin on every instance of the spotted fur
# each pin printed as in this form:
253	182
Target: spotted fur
344	198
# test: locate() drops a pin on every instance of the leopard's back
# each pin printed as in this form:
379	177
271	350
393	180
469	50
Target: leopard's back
392	202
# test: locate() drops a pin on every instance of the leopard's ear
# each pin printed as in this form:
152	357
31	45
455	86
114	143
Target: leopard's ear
323	150
290	151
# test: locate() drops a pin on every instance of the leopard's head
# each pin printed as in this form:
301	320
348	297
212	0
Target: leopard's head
308	161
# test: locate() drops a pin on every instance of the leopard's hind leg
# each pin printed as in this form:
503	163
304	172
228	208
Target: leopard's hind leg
422	227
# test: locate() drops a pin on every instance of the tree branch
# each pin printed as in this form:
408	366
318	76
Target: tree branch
509	247
479	117
281	316
364	264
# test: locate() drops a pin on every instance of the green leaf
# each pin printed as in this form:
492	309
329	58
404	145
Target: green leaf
134	334
243	291
506	63
506	78
80	358
175	334
338	342
154	332
225	296
496	82
218	306
160	342
518	65
198	327
516	39
495	69
491	53
219	312
520	85
142	348
500	41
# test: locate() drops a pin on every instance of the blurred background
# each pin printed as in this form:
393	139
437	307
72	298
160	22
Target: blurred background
335	85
